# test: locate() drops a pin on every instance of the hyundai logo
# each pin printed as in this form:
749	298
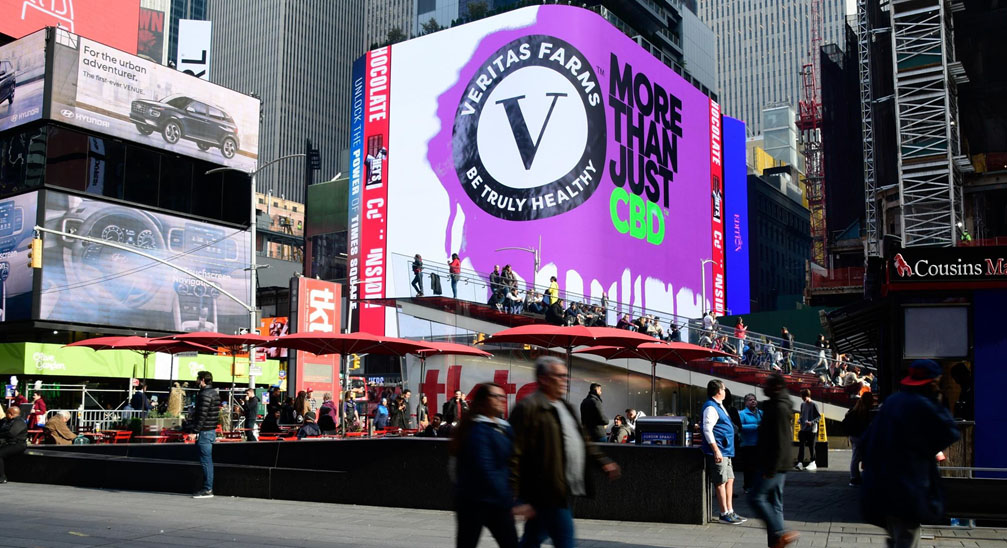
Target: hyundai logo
67	112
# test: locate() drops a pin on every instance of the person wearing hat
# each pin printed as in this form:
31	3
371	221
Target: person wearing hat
309	429
901	483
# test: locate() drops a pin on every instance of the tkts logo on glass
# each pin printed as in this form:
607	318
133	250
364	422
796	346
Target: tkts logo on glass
529	140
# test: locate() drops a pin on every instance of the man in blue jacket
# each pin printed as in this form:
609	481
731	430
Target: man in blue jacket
901	483
750	417
718	444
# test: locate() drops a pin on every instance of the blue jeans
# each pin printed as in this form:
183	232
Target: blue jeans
205	444
454	285
767	501
551	522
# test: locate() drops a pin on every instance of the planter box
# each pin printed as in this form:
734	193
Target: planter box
154	426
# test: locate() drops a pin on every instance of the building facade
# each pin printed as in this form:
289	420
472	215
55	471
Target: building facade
387	16
761	46
779	239
182	9
297	57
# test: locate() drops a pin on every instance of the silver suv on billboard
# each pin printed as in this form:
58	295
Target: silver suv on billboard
180	117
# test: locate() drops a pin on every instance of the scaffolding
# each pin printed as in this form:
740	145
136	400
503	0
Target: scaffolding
810	124
865	38
926	116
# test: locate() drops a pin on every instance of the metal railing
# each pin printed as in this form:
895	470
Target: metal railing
83	420
761	352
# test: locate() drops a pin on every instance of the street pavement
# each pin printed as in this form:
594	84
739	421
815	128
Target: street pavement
818	504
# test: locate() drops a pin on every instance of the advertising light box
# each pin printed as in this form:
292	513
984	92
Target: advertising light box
106	90
541	128
112	22
17	222
90	283
22	80
736	213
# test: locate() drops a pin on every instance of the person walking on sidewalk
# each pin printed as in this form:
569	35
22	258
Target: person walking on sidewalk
718	444
204	419
482	446
551	454
856	422
808	434
901	488
772	461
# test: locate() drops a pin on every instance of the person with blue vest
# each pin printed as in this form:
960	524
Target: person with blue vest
718	444
750	417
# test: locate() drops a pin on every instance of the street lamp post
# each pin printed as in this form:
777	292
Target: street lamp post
536	253
702	269
252	229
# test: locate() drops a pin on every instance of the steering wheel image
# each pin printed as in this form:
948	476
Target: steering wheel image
125	279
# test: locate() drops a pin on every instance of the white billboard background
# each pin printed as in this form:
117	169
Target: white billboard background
23	65
109	80
193	54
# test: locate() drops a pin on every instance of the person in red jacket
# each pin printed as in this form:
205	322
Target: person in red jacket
38	410
455	268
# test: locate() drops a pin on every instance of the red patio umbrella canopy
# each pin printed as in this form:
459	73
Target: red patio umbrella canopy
553	336
663	352
215	340
177	347
126	342
346	343
450	348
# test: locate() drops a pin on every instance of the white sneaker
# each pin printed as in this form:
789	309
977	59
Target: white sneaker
799	466
811	467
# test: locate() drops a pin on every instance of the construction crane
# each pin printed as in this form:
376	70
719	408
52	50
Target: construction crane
809	123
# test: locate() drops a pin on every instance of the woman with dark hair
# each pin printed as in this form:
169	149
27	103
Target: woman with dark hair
856	422
350	415
481	448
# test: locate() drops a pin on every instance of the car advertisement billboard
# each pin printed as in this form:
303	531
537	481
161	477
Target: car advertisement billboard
112	22
543	128
105	90
736	215
22	80
17	222
89	283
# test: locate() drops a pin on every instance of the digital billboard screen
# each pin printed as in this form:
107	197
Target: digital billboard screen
112	22
736	215
541	128
17	223
90	283
22	80
108	91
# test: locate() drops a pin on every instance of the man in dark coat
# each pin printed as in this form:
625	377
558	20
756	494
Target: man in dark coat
901	488
551	455
592	416
204	419
13	437
454	408
773	460
250	410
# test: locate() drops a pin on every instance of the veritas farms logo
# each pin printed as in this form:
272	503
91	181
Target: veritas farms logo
529	134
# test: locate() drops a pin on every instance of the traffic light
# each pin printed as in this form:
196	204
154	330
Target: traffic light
480	337
35	253
354	361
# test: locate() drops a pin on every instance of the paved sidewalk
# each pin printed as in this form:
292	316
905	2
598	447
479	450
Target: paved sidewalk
820	504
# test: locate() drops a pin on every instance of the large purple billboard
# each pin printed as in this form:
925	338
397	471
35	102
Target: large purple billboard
544	128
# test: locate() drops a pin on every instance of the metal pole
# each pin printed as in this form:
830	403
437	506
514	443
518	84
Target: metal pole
702	270
252	351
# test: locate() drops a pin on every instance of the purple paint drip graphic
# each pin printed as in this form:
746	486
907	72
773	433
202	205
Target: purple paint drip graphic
585	239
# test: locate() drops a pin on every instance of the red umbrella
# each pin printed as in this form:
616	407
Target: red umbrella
346	343
125	342
233	344
567	337
177	347
446	348
664	352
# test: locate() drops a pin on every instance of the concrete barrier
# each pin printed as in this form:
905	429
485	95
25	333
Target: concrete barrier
659	484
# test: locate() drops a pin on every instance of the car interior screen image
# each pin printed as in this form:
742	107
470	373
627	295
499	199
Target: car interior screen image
17	217
98	284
